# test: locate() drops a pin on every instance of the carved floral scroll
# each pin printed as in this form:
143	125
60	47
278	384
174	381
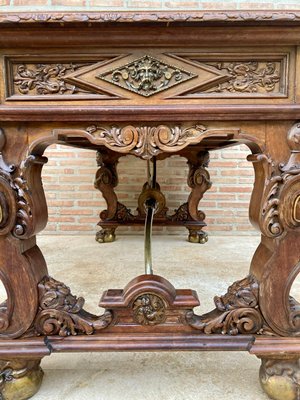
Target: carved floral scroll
281	189
45	79
61	313
237	312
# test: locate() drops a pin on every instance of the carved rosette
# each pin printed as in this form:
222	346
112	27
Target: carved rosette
61	313
149	309
237	312
146	141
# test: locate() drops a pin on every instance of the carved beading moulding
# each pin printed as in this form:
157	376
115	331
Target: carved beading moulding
151	16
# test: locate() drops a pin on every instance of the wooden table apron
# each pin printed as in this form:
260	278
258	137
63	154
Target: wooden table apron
150	84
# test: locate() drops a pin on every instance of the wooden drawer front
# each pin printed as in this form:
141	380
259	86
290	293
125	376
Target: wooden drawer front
150	76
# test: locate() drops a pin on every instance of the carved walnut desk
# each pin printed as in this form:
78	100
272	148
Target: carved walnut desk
150	84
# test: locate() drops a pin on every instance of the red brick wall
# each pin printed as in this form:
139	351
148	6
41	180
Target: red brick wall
74	204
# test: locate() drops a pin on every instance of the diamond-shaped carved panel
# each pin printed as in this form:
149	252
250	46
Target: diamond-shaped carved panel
147	76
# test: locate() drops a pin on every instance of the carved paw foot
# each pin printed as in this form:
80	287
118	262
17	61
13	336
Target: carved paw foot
106	235
19	379
197	237
280	378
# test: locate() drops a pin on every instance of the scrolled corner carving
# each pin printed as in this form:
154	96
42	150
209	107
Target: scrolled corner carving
24	219
122	214
146	141
289	207
16	203
281	189
61	313
182	214
237	312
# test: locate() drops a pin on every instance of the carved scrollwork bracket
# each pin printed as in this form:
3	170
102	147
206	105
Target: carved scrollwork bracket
16	203
142	141
281	194
147	141
61	313
237	312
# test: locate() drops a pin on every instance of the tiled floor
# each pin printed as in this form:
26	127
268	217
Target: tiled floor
89	268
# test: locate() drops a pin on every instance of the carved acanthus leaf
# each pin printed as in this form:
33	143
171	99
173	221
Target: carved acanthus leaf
237	312
182	214
16	179
45	79
247	77
61	313
147	141
280	194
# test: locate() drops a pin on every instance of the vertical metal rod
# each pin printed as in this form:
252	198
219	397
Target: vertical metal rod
150	208
150	205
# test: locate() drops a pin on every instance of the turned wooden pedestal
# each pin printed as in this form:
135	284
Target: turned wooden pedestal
150	84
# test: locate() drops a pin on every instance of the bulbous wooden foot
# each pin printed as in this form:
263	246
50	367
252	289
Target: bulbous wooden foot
19	379
106	235
280	378
197	236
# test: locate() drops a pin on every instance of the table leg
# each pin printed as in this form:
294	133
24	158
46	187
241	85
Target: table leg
275	209
106	180
199	182
22	213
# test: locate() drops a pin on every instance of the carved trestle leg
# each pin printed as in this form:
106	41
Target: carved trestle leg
261	303
199	181
36	304
105	181
22	213
275	208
